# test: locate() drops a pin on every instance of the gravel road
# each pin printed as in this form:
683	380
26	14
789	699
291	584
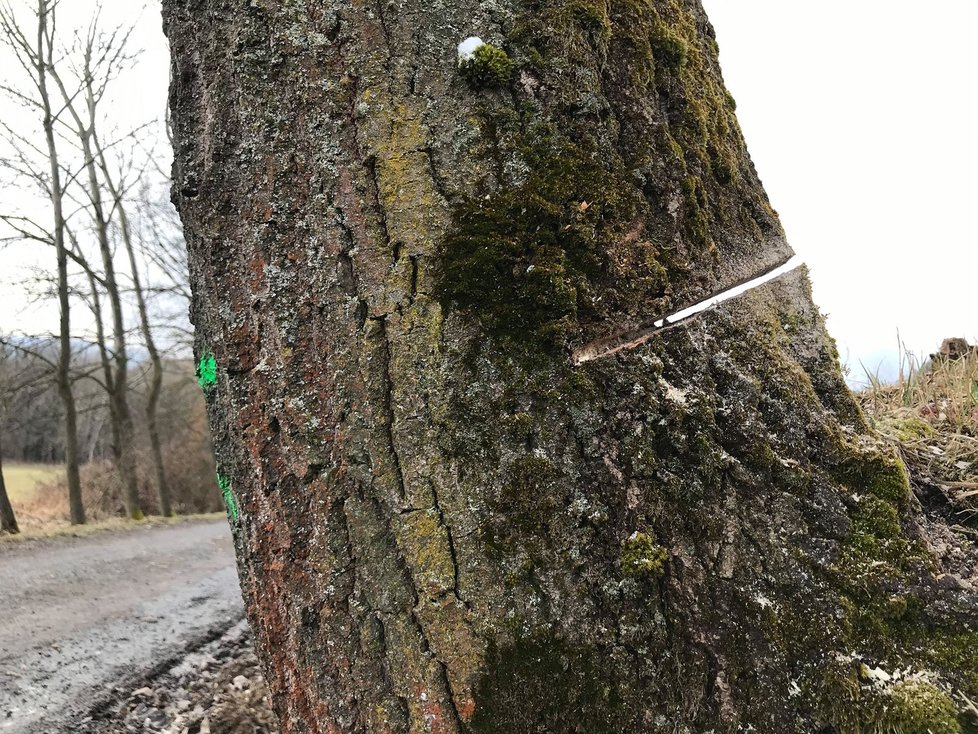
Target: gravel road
81	618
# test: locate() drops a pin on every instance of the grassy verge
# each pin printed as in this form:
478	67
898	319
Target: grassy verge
931	414
22	480
106	526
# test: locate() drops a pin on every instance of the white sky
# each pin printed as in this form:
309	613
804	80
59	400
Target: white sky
136	98
861	117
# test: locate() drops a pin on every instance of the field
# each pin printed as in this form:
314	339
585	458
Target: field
22	480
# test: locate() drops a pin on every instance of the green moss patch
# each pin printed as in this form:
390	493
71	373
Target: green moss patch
541	684
918	706
488	66
873	703
531	494
881	474
524	259
642	557
668	47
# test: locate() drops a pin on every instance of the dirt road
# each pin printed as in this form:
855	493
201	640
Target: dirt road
82	616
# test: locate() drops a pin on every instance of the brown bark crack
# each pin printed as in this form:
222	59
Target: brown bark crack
414	665
456	587
388	407
370	163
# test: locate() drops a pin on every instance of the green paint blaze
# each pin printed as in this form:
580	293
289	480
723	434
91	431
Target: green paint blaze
225	486
207	372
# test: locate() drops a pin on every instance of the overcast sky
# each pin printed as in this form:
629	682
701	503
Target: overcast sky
861	117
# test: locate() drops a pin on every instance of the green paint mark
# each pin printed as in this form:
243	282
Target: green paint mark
207	372
225	486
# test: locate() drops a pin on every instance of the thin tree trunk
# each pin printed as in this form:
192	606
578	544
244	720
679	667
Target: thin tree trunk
44	61
126	456
474	486
108	374
125	446
156	380
8	521
162	483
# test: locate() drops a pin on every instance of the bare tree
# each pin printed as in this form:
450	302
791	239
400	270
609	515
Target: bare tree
102	56
37	58
8	520
117	190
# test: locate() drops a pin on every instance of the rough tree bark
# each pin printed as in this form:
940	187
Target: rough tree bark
453	511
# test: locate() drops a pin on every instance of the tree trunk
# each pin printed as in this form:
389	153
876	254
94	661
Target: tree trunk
44	59
8	521
156	446
473	488
76	508
108	379
85	131
156	379
125	449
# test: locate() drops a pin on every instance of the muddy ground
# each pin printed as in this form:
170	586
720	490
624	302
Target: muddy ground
81	618
217	689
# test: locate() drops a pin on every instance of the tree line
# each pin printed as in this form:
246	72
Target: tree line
111	382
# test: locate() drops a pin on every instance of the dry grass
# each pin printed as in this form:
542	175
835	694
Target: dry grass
39	494
190	470
23	480
59	529
931	414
